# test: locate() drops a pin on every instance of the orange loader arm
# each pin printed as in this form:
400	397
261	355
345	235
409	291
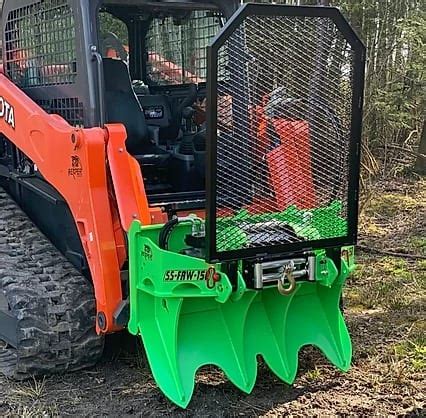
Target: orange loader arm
74	162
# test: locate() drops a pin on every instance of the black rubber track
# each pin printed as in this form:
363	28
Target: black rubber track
53	303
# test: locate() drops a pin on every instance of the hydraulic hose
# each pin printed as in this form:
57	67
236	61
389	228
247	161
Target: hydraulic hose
163	239
166	230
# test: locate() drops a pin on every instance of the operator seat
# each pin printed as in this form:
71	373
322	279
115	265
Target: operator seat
122	106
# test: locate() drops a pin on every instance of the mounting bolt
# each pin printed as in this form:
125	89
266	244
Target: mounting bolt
75	140
120	150
102	321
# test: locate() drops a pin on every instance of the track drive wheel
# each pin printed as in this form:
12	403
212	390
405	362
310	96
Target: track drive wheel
47	309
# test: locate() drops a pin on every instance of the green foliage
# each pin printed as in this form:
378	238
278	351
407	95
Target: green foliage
393	31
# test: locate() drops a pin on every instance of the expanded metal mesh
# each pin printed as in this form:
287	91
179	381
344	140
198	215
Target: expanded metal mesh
176	48
284	114
40	44
69	108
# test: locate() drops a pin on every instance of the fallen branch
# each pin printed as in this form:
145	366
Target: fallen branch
404	149
367	249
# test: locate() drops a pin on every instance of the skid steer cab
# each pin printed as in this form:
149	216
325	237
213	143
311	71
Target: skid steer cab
194	167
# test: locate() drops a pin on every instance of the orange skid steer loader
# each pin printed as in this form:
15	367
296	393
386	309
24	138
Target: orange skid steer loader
184	170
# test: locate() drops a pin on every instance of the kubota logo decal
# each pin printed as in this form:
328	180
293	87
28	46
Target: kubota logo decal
7	112
190	275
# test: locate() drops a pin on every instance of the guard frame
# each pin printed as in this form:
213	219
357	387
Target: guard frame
262	253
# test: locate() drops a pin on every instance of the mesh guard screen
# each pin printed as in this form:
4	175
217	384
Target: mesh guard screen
283	96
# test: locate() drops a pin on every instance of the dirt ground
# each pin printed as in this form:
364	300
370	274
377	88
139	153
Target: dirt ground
385	311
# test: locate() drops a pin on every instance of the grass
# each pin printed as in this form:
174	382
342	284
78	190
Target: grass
391	291
33	390
418	243
394	217
413	352
29	399
386	282
34	411
389	204
313	375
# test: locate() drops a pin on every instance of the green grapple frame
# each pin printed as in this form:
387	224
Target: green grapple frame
284	105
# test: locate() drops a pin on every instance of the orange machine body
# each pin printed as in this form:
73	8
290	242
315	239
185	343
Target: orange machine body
83	166
290	165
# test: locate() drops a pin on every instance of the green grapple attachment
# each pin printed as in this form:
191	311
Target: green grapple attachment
262	274
189	315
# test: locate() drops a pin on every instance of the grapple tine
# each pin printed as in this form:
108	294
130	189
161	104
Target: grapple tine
185	325
278	327
158	330
311	322
180	336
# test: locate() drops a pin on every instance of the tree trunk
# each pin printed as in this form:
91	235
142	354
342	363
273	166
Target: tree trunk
420	166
